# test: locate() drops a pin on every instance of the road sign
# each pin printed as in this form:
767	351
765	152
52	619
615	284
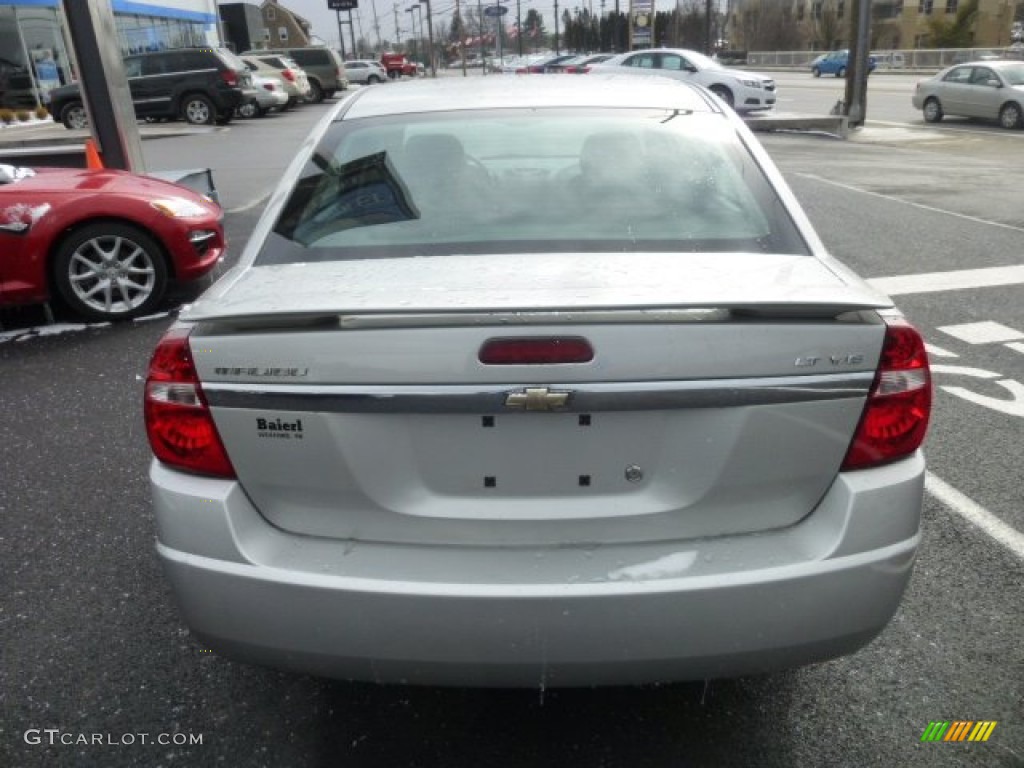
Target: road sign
342	5
495	10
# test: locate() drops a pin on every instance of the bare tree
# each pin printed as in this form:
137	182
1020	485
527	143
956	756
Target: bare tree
779	30
827	25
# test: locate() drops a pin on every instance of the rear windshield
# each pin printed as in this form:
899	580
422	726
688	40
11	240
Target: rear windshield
231	60
530	181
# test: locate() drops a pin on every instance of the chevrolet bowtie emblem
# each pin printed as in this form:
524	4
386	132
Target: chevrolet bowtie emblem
537	399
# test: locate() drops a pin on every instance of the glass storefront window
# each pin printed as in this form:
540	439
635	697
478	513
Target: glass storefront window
34	59
17	91
40	31
140	34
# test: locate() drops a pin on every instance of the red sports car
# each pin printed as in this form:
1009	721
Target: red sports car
107	242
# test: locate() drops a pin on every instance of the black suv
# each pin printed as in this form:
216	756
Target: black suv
200	85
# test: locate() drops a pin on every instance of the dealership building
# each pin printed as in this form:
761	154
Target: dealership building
34	50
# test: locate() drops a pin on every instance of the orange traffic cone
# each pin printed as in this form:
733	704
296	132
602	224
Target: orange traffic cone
92	157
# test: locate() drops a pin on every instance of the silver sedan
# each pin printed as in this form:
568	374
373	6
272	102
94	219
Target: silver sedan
430	430
992	90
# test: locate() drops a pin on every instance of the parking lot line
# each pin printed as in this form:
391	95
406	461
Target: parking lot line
250	205
955	280
976	514
922	206
985	332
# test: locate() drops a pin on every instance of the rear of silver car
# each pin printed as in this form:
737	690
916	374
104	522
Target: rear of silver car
400	447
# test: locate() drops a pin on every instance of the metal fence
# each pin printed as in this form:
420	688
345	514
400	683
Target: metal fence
918	59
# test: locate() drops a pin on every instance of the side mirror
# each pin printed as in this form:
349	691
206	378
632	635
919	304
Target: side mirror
993	83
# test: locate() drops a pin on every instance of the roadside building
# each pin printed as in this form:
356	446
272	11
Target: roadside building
769	25
34	49
268	24
283	28
242	25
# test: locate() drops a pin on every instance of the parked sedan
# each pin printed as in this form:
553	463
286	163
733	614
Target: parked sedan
744	91
429	431
295	81
581	65
106	242
269	94
993	90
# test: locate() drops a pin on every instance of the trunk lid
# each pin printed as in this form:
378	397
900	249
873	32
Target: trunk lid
721	398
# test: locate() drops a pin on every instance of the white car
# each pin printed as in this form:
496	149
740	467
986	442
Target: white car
431	429
269	94
743	91
294	77
365	71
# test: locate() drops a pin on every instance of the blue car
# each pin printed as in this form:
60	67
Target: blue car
836	63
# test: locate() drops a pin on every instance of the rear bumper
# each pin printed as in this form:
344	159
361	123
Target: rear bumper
566	616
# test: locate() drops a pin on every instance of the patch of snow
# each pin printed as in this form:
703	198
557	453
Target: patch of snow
24	334
664	567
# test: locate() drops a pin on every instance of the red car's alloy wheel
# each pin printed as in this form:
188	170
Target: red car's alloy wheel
110	271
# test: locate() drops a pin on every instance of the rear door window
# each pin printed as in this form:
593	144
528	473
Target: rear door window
309	57
157	64
191	61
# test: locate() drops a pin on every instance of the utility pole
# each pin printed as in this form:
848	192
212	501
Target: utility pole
398	30
557	51
707	28
461	31
362	35
415	36
341	36
376	24
480	22
590	24
855	105
519	26
352	34
498	24
430	39
615	29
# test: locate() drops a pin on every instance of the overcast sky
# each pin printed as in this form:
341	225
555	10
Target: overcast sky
325	24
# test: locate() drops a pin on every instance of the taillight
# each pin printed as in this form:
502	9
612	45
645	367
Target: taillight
229	76
536	351
179	425
288	75
896	414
